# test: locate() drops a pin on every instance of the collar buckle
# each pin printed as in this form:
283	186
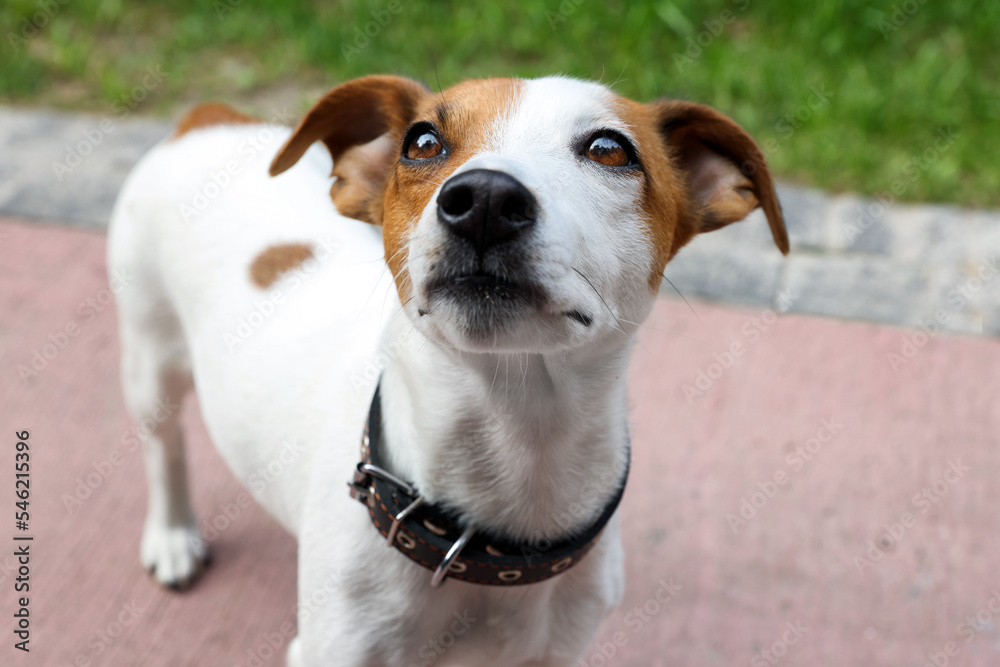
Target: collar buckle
362	488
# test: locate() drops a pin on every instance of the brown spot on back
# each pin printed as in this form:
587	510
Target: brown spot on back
269	265
205	115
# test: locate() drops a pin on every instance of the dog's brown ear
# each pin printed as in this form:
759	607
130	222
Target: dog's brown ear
361	123
727	176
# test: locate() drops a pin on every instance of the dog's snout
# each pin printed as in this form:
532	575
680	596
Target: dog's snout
486	207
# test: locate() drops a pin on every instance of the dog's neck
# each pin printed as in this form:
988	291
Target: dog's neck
529	446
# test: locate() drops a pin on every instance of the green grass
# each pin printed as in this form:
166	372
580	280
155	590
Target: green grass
888	93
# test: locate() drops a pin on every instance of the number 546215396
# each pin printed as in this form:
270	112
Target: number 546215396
22	479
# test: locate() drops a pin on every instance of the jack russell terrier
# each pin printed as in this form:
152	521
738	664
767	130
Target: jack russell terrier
450	339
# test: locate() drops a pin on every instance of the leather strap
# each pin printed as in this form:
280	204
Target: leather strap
428	533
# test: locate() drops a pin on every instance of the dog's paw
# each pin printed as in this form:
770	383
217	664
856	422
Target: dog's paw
175	556
294	656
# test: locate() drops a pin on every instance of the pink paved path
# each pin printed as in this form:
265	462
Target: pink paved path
793	562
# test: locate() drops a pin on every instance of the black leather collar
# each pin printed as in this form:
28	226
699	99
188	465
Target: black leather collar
430	534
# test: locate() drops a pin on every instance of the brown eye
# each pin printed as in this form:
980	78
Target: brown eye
608	151
424	145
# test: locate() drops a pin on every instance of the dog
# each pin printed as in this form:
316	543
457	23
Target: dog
449	338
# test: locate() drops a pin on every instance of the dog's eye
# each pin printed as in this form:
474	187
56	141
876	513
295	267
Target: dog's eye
423	144
608	151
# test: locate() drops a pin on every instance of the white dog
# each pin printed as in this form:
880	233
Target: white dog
489	255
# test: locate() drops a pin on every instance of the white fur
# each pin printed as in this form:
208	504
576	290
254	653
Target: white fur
515	435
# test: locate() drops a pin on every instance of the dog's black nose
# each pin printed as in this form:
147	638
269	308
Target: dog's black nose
486	207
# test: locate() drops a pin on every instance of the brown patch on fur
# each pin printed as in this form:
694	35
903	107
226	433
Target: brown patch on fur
464	115
205	115
269	265
362	123
664	197
703	172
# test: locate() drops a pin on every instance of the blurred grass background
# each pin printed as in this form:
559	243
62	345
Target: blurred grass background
893	74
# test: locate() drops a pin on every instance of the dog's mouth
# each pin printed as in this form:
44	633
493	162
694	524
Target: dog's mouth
482	311
488	293
483	288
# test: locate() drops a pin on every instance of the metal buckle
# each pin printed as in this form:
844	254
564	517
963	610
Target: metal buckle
442	570
361	487
384	475
399	518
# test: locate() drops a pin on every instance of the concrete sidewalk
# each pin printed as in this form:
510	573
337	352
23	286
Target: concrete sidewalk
827	496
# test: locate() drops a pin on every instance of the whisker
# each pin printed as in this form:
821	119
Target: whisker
437	81
388	291
427	180
619	79
385	269
666	331
382	258
401	310
620	327
375	286
524	383
645	349
683	297
496	372
601	298
379	279
489	396
506	377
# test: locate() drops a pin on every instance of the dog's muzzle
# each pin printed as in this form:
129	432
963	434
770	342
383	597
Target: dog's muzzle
485	264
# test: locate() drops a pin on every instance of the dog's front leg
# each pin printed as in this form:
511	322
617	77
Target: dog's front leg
294	656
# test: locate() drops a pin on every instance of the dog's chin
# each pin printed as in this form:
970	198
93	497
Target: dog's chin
488	314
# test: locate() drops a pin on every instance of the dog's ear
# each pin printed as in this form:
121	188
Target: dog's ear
725	171
361	122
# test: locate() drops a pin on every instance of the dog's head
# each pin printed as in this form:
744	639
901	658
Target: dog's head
531	215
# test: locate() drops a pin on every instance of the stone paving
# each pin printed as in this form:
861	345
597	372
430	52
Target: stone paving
927	266
806	481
